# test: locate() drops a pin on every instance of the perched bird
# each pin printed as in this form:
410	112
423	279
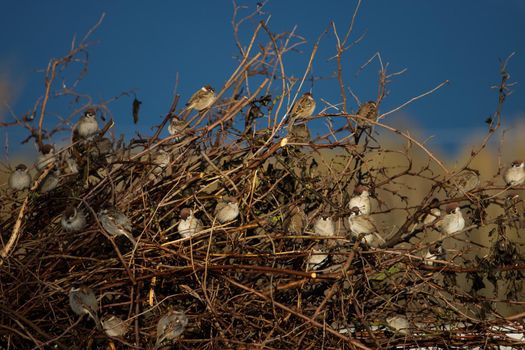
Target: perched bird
515	208
114	326
465	181
202	99
176	127
71	166
304	107
299	133
433	214
116	223
324	226
515	175
316	259
361	200
399	324
19	179
452	222
73	219
50	182
161	159
363	227
46	157
295	220
368	111
189	225
101	147
170	326
87	125
83	301
227	209
435	252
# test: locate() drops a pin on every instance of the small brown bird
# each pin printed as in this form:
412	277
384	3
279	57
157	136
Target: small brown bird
304	107
316	258
19	179
324	225
433	214
114	326
50	182
465	181
189	225
363	227
101	147
399	324
202	99
361	200
46	157
452	222
435	252
176	127
227	209
299	133
116	223
73	219
87	125
70	164
83	301
368	111
170	326
515	175
161	159
295	220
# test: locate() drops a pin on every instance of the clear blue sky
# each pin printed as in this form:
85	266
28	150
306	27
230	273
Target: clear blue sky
143	45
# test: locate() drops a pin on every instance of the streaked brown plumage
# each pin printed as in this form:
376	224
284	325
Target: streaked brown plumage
202	99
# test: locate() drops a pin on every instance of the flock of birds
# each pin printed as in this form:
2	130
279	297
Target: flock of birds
171	325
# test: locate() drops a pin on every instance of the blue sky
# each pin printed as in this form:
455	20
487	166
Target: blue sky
143	45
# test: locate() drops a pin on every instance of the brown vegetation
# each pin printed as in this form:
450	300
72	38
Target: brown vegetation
246	283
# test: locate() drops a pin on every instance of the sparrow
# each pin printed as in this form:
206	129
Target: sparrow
73	219
399	324
295	221
304	107
50	182
116	223
361	200
515	175
364	227
71	166
170	326
316	259
452	221
19	179
227	209
367	110
189	225
465	181
176	127
202	99
433	214
83	301
114	326
161	160
435	252
515	208
324	226
299	133
87	125
46	157
101	147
